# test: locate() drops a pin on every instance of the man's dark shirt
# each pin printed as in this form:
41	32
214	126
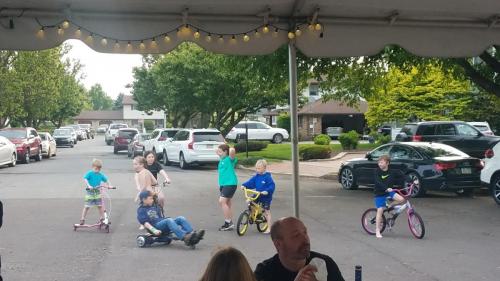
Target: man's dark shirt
272	269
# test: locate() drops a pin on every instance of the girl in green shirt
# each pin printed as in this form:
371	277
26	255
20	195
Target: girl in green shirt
228	182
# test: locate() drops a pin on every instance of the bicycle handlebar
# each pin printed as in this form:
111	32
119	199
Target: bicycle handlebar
101	186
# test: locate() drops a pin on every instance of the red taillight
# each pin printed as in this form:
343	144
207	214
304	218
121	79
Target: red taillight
489	153
417	138
480	164
162	139
191	142
444	166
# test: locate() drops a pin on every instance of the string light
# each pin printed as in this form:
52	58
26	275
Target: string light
221	39
41	32
104	42
65	24
318	27
275	33
60	31
153	43
117	44
208	38
298	32
265	29
257	34
233	39
142	46
291	35
197	34
166	38
78	32
178	32
311	27
129	46
90	38
246	38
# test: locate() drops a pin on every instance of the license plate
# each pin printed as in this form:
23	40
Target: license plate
466	170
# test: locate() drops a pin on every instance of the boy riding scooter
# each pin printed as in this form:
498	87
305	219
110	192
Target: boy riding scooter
150	215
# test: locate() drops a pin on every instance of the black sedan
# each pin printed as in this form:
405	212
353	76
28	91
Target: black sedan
430	166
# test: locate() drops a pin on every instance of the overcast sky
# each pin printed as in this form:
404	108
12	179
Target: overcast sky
112	71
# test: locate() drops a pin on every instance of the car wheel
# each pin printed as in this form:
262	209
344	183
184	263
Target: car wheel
115	151
39	156
49	153
418	190
72	145
108	142
27	157
465	192
495	188
278	138
166	162
129	154
347	179
182	162
13	160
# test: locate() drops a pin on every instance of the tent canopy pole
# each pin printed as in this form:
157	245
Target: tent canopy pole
292	57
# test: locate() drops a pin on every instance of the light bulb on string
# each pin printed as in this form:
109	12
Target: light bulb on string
104	42
153	43
60	31
298	32
257	34
318	27
166	38
233	39
196	35
311	27
65	24
221	39
275	33
142	46
78	32
246	38
291	35
117	44
90	38
129	46
41	32
187	29
178	32
209	38
265	29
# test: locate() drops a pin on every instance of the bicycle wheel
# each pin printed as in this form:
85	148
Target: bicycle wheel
242	226
368	221
262	224
416	225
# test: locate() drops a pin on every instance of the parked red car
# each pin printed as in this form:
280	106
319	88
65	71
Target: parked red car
28	143
123	138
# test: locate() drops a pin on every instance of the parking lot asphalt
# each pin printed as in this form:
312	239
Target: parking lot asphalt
43	200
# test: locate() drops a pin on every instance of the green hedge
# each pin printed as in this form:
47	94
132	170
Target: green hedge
252	146
322	139
249	162
149	125
283	121
349	140
315	152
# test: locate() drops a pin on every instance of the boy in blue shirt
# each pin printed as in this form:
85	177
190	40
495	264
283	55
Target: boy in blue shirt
263	182
151	217
94	179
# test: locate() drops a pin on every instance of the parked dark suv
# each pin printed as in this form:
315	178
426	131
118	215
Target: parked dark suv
454	133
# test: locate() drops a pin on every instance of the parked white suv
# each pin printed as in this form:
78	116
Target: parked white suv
193	146
112	132
257	131
484	127
157	141
490	174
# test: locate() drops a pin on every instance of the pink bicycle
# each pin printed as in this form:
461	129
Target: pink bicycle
415	222
105	223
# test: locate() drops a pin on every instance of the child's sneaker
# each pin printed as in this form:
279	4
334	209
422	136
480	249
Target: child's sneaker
227	226
82	222
188	238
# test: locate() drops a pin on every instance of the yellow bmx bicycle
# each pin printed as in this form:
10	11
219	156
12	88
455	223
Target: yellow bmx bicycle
254	213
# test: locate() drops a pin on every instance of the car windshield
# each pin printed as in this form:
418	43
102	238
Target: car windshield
438	150
62	132
117	126
482	128
409	129
208	136
168	134
43	136
13	134
127	134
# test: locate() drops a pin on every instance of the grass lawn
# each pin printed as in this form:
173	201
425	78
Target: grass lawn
277	152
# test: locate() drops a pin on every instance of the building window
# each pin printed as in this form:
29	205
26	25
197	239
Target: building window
131	107
313	89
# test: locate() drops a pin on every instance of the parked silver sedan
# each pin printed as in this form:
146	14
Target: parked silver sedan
49	146
8	154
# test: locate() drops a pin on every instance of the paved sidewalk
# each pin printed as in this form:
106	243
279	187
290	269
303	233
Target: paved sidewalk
319	169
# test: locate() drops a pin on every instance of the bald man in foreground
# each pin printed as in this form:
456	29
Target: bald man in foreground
291	263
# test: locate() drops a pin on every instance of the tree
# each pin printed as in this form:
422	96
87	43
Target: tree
432	95
118	103
99	99
9	105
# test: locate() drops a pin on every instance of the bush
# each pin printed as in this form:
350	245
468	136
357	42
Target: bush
322	139
249	162
315	152
149	125
382	139
284	122
252	146
349	140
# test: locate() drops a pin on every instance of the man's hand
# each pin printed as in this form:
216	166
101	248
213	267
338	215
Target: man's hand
156	232
243	187
307	273
166	181
389	189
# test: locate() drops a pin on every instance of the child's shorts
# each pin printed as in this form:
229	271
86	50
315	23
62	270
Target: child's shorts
380	200
227	191
93	200
265	205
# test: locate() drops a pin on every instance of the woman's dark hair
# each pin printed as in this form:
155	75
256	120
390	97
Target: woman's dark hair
146	154
225	148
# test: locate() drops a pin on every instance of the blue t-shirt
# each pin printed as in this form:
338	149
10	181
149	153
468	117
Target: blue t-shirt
150	214
95	179
262	182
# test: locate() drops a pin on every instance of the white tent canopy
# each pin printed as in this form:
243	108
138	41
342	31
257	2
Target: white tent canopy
328	28
350	27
